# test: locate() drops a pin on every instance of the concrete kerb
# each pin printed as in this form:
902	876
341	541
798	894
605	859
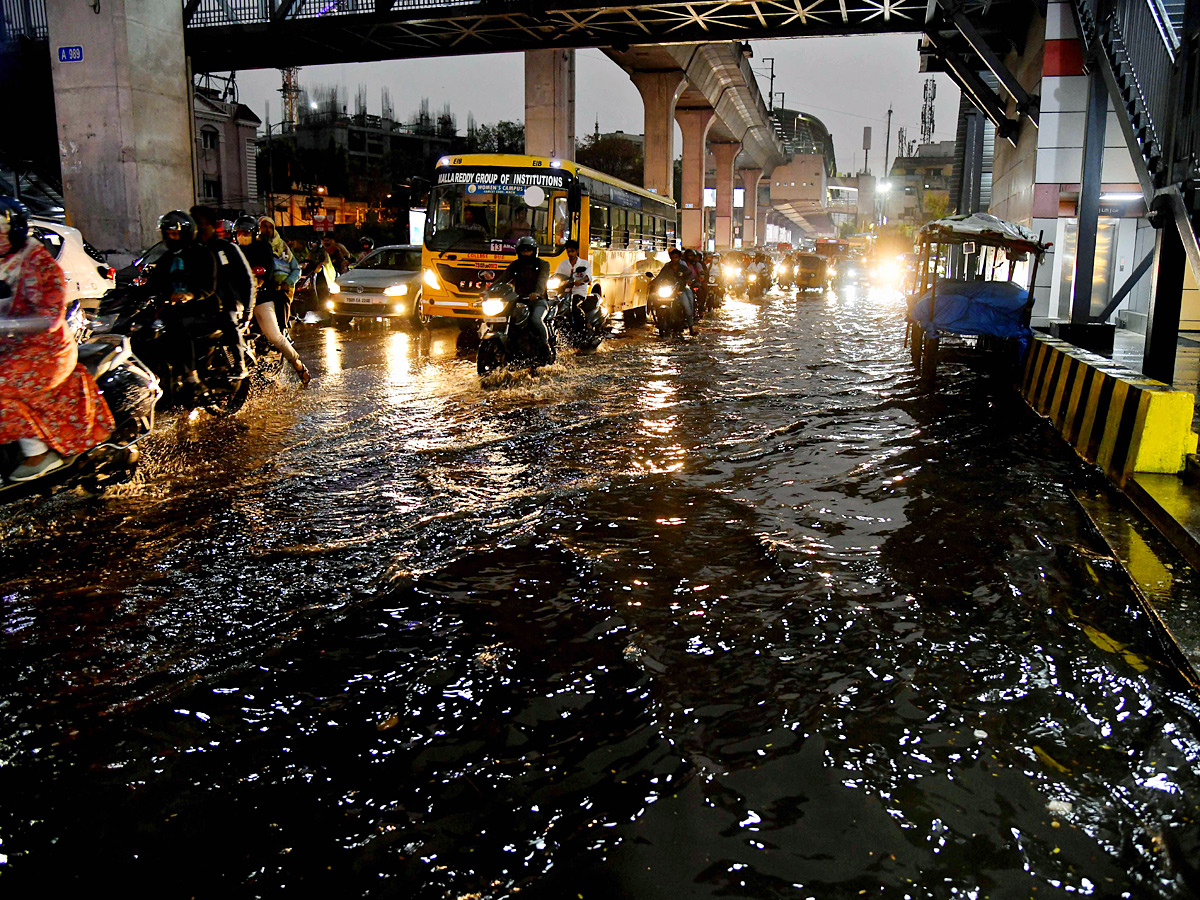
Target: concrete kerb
1114	417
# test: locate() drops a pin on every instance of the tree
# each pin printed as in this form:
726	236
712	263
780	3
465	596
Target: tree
612	154
503	137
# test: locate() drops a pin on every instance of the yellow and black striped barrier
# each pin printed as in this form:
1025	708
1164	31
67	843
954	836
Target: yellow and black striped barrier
1113	417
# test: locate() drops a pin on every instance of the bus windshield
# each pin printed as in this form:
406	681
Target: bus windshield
488	209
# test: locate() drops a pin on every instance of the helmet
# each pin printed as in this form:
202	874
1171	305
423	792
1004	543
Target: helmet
224	229
14	221
527	243
246	223
178	223
366	243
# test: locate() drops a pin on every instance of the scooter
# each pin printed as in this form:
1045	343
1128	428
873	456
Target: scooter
131	391
506	336
585	323
756	285
139	316
666	306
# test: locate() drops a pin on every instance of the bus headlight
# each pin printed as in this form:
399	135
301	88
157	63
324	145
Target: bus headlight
493	307
431	280
335	288
666	291
395	290
554	283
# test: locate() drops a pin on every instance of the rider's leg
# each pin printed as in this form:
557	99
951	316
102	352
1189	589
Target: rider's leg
268	324
537	313
231	320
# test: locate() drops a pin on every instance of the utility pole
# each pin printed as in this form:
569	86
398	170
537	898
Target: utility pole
887	142
771	89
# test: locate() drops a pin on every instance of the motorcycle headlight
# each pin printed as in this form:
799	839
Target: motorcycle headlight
727	270
666	291
335	288
395	290
737	270
493	307
554	283
753	276
329	304
431	279
778	269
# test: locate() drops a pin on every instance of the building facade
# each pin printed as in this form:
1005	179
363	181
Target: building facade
225	161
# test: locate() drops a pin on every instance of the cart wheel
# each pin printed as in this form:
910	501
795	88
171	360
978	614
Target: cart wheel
929	357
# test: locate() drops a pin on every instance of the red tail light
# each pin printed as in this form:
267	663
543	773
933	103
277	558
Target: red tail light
107	272
140	281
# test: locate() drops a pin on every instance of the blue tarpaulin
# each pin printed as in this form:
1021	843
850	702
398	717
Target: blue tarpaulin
994	308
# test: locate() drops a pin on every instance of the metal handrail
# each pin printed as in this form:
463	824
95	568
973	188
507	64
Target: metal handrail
210	13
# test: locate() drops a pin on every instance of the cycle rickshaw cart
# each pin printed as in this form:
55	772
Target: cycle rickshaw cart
983	308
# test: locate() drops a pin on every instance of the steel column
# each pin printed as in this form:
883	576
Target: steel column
1166	298
1089	198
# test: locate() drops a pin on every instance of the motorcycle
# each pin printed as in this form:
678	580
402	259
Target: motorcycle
666	306
506	336
131	392
139	316
756	285
584	321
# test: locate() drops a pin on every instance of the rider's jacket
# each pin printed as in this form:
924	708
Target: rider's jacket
675	273
527	275
235	281
191	269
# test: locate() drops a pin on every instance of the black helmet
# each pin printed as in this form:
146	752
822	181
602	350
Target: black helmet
14	221
366	243
527	243
689	255
178	223
248	224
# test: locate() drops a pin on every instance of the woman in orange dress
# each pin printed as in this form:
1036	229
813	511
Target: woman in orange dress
49	403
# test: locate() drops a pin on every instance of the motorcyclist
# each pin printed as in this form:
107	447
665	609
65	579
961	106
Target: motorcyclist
49	403
187	275
528	274
235	283
679	275
271	299
569	271
285	259
366	245
698	281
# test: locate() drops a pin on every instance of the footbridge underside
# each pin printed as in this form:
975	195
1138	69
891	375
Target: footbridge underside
243	34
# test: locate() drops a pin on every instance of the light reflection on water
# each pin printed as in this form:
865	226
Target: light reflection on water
731	614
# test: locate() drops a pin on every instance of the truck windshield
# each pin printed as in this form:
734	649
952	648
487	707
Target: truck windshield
487	210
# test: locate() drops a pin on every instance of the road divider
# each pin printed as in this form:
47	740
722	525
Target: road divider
1113	416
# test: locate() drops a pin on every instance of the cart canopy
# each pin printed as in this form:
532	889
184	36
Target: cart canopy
986	230
994	308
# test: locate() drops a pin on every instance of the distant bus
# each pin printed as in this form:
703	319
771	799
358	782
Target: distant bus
481	204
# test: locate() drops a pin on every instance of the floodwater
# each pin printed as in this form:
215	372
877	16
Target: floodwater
749	614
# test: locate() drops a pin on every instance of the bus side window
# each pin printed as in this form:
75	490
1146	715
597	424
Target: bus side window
562	222
620	229
601	232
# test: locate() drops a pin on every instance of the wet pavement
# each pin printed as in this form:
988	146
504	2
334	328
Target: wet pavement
749	614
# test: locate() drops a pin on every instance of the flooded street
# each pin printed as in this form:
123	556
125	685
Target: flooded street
749	614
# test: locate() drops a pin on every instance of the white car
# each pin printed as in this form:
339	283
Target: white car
86	273
385	284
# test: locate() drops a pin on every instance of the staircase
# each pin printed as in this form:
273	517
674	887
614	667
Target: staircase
1150	53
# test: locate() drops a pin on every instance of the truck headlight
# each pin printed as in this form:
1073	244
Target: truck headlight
493	307
431	280
395	290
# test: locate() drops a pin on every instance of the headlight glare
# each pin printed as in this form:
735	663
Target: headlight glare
666	291
335	288
395	290
431	279
554	283
493	307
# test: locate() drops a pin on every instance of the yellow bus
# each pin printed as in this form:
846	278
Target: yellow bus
480	204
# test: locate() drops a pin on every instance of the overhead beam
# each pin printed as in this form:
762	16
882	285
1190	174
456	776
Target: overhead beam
981	96
282	10
1028	104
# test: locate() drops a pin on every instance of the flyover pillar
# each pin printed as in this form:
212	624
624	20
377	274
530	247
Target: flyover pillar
750	180
121	94
725	155
660	91
694	123
550	103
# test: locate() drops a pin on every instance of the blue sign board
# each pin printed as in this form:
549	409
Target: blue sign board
70	54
